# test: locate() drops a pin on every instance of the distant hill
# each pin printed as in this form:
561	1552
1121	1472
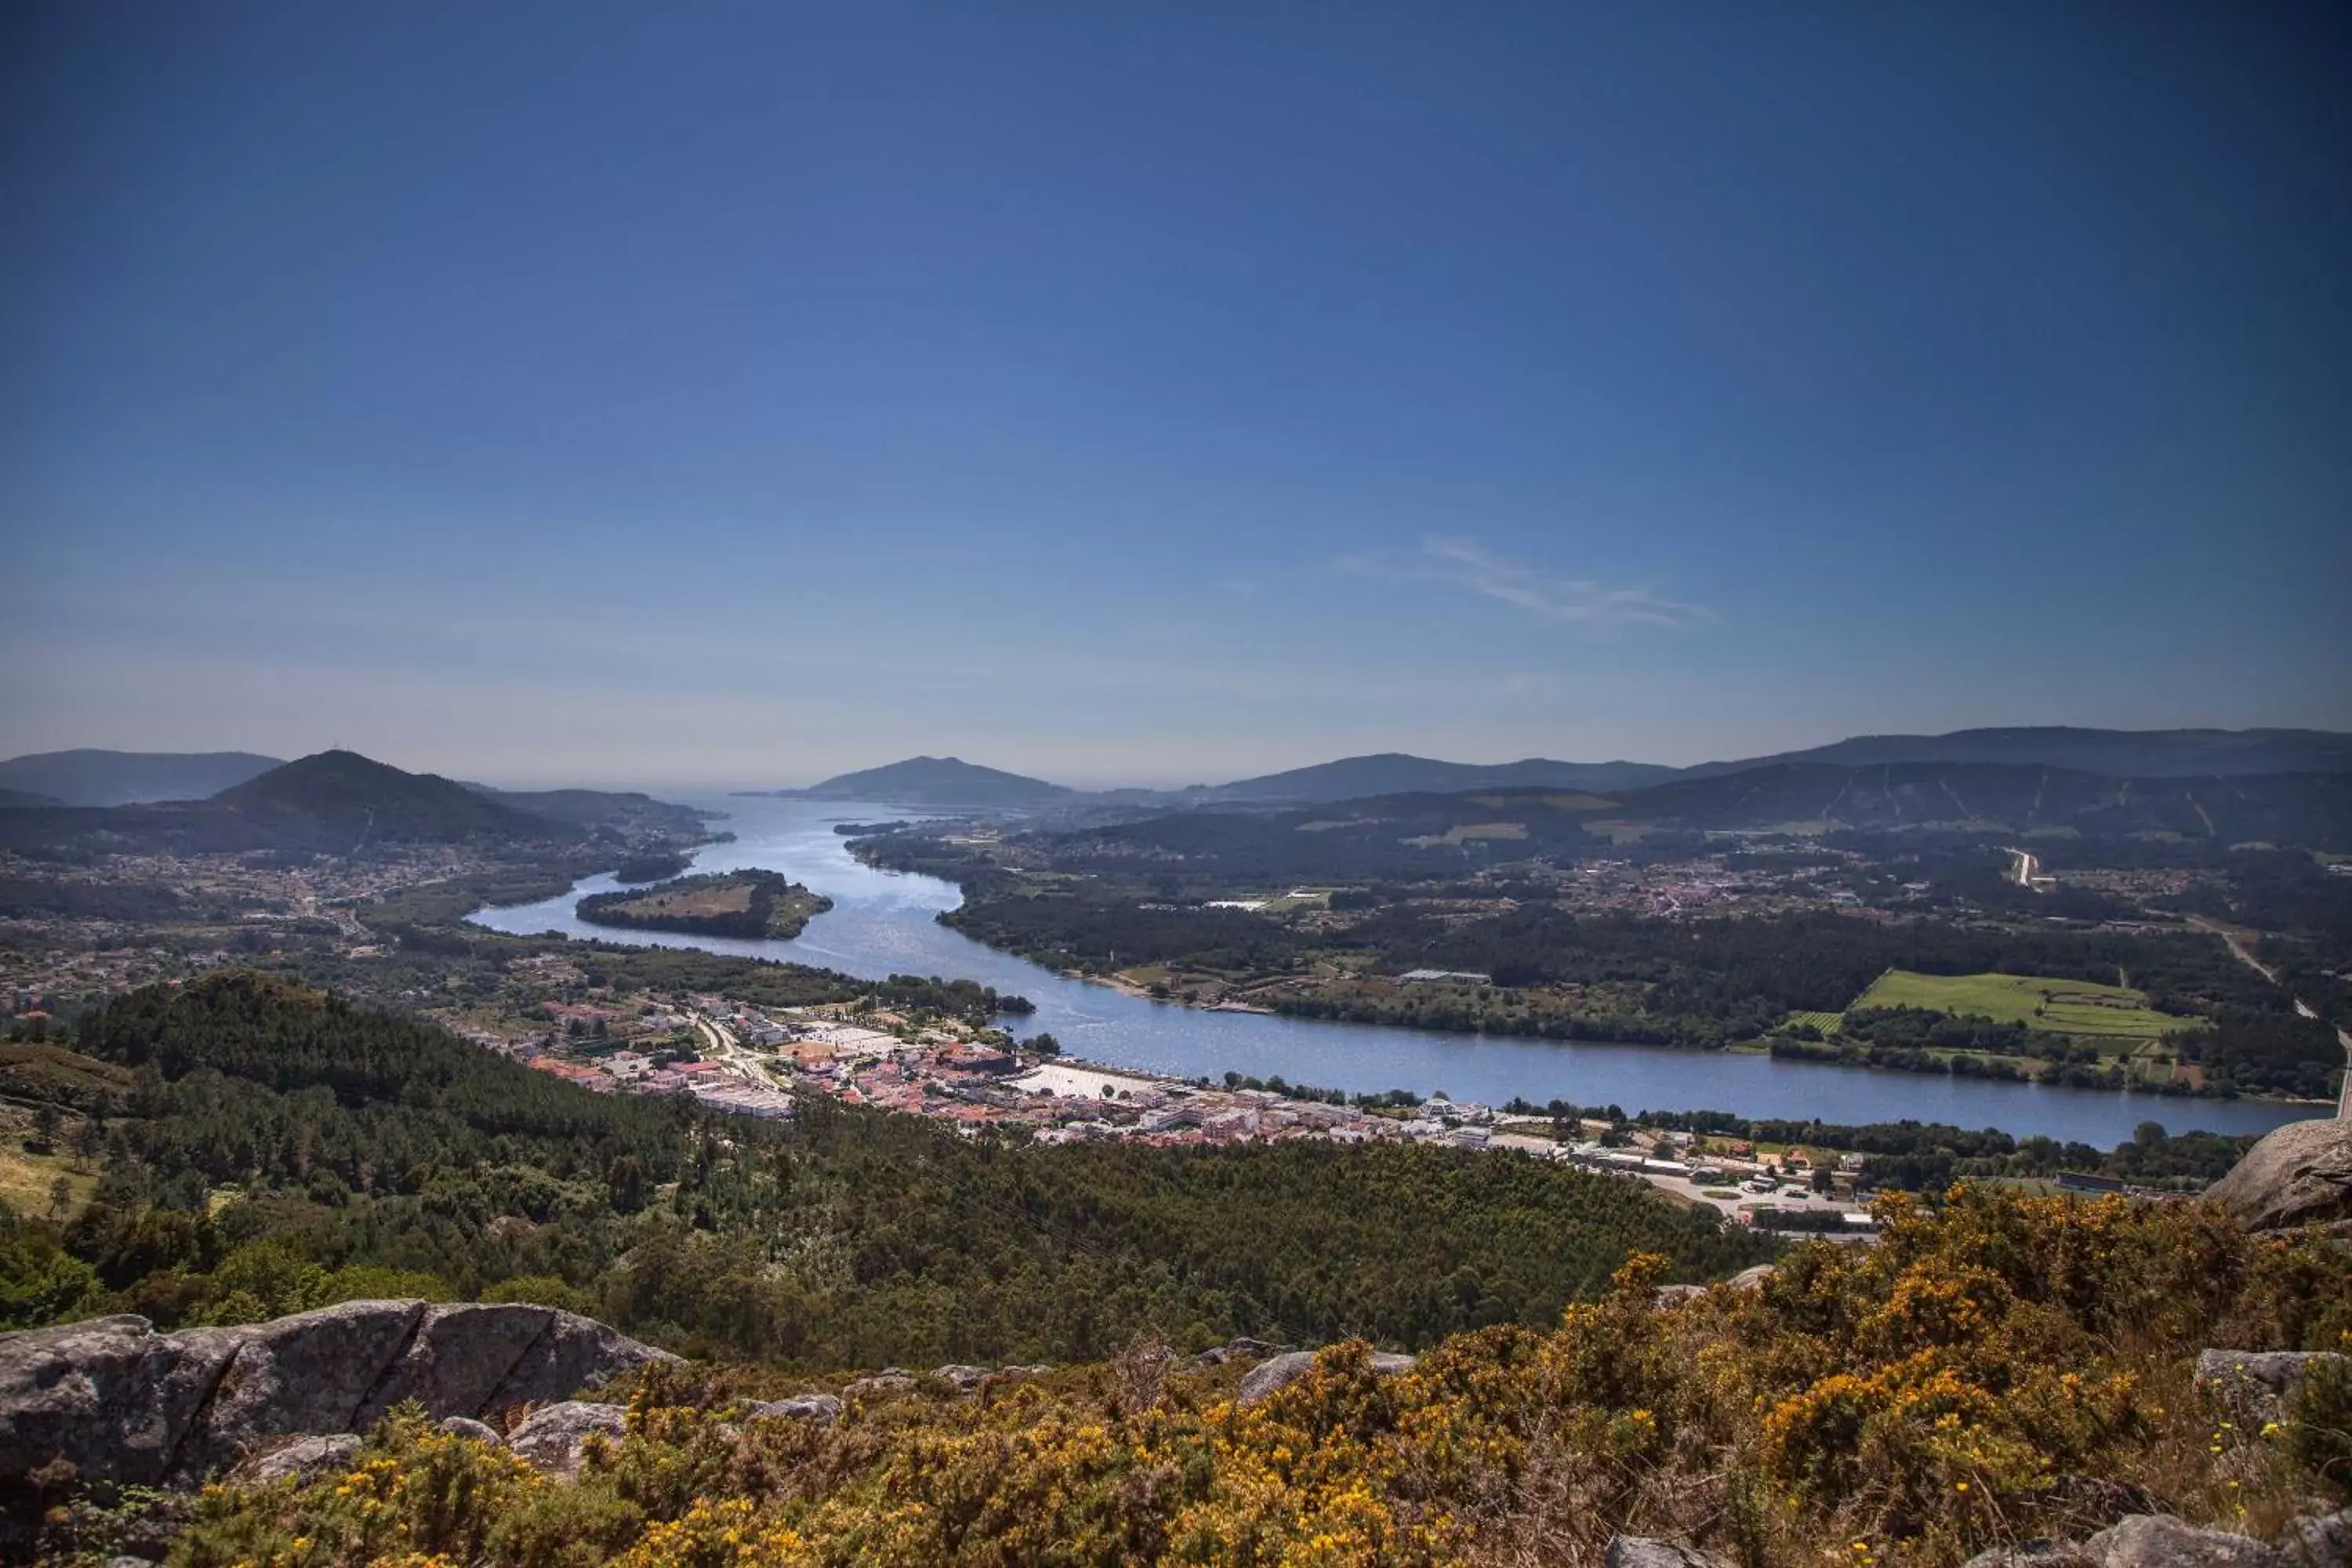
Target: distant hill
933	781
127	778
26	800
2310	809
332	803
619	810
1394	773
342	800
2117	753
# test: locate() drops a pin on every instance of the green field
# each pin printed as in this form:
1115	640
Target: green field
1827	1022
2058	1006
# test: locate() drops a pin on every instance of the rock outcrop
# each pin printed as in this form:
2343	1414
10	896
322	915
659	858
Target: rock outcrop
2299	1174
2159	1540
1278	1370
555	1438
2257	1384
799	1407
1644	1551
2319	1542
115	1399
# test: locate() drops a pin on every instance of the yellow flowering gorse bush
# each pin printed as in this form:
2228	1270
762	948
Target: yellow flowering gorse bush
1994	1368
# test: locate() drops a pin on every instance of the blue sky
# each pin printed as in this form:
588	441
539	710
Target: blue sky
1158	394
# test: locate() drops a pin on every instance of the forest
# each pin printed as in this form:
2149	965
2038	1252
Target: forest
277	1149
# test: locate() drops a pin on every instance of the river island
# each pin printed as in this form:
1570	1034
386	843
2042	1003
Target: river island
747	903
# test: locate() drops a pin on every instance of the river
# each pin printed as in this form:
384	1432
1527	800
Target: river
883	923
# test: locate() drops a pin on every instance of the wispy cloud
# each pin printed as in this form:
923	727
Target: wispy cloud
1577	601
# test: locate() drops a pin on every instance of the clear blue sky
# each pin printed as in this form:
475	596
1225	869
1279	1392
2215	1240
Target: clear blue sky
1151	393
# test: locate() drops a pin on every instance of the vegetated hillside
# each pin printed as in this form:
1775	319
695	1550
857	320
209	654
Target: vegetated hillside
630	810
2313	809
1993	1371
934	780
341	798
129	778
1395	772
1420	834
364	1145
26	800
2118	753
333	802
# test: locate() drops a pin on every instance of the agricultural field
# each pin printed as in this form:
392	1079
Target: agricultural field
1827	1022
1464	833
2055	1006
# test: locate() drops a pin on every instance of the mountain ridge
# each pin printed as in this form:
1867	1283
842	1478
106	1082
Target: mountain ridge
930	780
94	777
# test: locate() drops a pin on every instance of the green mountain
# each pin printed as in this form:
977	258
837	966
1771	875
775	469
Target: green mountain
1395	772
342	800
934	780
129	778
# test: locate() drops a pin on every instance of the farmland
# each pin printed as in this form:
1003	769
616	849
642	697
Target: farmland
2052	1007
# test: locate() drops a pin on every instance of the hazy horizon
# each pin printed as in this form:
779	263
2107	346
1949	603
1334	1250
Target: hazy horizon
590	395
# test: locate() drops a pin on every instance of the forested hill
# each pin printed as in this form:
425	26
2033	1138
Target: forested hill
1394	773
2117	753
281	1148
333	802
341	796
594	809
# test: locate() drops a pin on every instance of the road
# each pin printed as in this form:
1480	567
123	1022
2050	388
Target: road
2246	956
725	1048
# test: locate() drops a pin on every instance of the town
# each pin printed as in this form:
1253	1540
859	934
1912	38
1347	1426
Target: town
734	1057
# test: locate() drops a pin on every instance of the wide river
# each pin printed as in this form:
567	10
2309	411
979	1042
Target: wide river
883	923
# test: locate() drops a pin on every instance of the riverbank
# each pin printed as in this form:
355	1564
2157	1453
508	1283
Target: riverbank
1990	1002
884	923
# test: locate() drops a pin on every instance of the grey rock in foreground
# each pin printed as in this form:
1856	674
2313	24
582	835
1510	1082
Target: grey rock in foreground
479	1431
306	1457
1278	1370
2158	1541
2259	1383
2299	1174
117	1400
801	1407
556	1438
2034	1555
1644	1552
2324	1541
